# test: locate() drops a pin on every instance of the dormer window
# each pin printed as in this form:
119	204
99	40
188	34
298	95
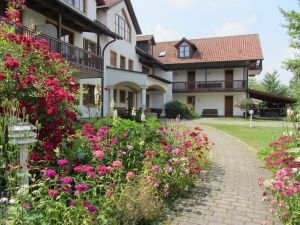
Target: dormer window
185	48
185	51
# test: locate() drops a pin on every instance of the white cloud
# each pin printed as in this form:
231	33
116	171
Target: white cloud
181	3
235	27
164	34
231	28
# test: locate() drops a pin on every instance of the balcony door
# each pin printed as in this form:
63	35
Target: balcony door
228	78
191	78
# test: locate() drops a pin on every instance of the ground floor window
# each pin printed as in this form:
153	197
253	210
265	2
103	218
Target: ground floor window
88	94
122	96
191	100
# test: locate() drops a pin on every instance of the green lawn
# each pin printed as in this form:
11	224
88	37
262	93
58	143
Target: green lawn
256	137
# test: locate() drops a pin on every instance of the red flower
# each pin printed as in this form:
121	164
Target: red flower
2	76
11	63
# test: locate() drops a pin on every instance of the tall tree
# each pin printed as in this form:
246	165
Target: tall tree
293	25
272	83
255	84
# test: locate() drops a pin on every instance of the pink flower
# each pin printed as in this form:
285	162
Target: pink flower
285	214
66	180
117	163
109	193
99	155
114	140
62	162
81	187
26	206
92	208
92	174
52	192
157	184
50	173
86	203
130	175
72	203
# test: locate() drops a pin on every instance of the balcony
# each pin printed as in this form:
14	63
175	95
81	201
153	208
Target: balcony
210	86
85	61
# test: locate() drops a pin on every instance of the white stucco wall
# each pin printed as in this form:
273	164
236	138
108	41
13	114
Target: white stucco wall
213	101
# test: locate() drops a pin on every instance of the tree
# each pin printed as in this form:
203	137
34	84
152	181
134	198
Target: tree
293	25
272	83
256	85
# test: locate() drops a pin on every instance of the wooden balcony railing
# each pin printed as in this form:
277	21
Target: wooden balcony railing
78	57
209	86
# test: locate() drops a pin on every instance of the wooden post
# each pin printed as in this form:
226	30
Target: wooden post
98	44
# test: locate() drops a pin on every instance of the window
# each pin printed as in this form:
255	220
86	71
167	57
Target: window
130	65
122	63
113	59
122	27
145	70
78	4
89	46
66	36
191	100
185	51
88	94
122	96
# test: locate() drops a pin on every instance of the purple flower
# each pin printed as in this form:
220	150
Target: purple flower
52	193
92	208
72	203
62	162
157	184
66	180
50	173
81	187
63	188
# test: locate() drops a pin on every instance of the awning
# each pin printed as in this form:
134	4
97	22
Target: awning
271	97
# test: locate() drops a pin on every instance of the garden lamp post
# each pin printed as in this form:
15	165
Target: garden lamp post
251	112
23	135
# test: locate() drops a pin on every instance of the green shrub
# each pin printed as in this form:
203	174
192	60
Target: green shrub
175	108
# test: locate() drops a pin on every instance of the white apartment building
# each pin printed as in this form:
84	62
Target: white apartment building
104	41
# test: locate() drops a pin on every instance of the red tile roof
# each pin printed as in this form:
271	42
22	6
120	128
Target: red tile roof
218	49
144	37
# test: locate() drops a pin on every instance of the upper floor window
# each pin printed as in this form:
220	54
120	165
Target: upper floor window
130	64
122	62
78	4
89	46
113	59
122	27
185	51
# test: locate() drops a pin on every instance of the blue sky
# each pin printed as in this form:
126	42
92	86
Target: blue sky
173	19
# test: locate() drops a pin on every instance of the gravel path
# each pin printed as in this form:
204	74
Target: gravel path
231	195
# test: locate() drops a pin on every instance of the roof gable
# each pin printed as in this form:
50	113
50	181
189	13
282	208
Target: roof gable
146	38
184	40
107	4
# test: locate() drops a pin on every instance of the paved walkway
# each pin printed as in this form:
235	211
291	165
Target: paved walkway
231	195
255	123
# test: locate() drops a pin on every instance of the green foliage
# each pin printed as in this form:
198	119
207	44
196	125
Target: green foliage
293	64
255	84
175	108
272	83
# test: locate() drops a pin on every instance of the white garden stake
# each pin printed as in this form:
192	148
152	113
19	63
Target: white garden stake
23	135
251	112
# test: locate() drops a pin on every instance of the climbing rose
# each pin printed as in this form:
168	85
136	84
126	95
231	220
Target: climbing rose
2	76
11	63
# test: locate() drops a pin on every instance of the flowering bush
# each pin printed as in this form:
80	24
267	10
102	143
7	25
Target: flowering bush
40	80
106	176
283	189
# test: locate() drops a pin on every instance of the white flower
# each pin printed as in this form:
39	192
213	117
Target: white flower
269	183
143	117
297	159
3	200
13	201
295	170
115	114
22	189
97	94
142	142
129	147
290	113
133	112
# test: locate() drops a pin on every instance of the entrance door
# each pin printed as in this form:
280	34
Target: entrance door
130	100
228	106
228	78
191	80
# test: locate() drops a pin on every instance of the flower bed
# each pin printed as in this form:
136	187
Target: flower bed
126	173
282	191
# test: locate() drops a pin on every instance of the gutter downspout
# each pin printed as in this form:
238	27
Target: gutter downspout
102	80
